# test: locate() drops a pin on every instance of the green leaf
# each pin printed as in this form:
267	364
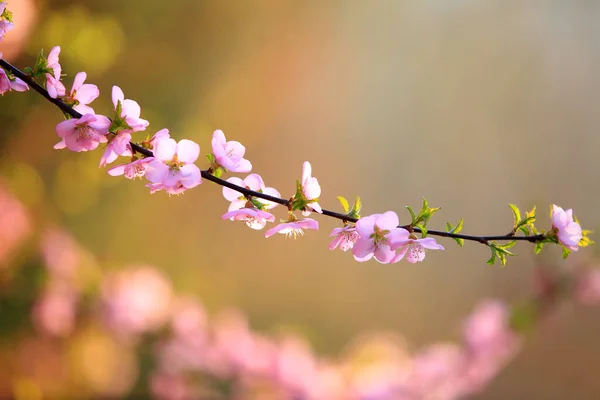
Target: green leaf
456	229
500	252
460	241
412	214
538	247
357	205
492	259
344	204
565	253
211	158
218	172
423	230
517	215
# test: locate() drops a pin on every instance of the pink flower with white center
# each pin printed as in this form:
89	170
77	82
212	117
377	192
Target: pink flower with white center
118	145
310	189
130	111
567	230
253	182
54	86
293	228
229	155
135	169
82	94
173	166
82	134
344	237
255	219
406	243
377	232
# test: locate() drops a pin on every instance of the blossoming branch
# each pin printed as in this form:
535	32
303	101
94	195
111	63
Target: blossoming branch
169	165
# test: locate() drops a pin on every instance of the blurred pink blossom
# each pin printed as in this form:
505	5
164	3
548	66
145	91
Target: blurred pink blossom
54	312
60	252
135	300
587	286
15	224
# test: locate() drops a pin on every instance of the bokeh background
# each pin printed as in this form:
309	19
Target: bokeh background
472	104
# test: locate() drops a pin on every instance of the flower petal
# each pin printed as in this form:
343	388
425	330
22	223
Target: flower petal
187	151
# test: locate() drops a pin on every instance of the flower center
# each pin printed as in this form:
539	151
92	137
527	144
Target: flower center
379	235
84	132
174	164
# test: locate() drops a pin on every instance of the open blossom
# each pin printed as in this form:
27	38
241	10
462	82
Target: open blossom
344	237
54	86
82	94
567	230
118	145
229	155
82	134
5	25
7	83
130	111
255	219
414	249
173	166
293	228
310	188
252	182
138	166
377	232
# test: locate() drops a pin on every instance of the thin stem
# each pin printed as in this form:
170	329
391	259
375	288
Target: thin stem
206	174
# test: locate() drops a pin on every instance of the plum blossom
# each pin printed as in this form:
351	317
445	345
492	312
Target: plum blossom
293	228
587	286
254	218
82	94
5	25
15	225
229	155
407	243
310	189
344	237
253	182
130	111
377	232
172	168
7	83
567	230
82	134
138	166
54	86
118	145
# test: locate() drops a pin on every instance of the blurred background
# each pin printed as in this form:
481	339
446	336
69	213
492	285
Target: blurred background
472	104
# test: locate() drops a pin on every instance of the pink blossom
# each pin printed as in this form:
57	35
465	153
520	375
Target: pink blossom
160	135
60	252
587	286
568	231
296	366
4	81
344	237
377	232
82	134
173	166
487	330
406	243
54	86
82	94
118	145
253	182
6	84
54	313
130	111
135	169
5	25
310	189
255	219
15	225
136	300
229	155
293	228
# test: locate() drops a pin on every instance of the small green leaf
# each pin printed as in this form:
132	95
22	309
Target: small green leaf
423	230
517	215
565	253
218	172
538	247
344	204
412	214
357	205
460	241
211	158
492	259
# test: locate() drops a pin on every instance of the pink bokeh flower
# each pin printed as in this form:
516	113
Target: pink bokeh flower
15	225
54	312
136	300
61	253
587	286
252	182
5	25
54	86
310	189
345	237
82	134
255	219
82	94
567	230
173	166
414	249
377	232
229	155
293	228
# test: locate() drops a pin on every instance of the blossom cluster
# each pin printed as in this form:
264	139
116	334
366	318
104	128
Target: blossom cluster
169	165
